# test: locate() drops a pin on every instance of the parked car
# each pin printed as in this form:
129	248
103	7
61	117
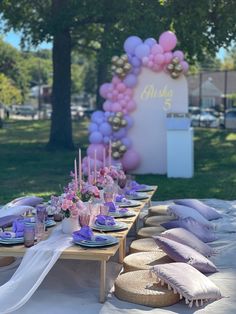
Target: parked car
195	115
228	120
209	119
25	111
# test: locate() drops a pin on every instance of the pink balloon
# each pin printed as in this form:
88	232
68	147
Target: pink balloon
150	64
131	106
99	150
130	160
104	89
129	92
157	67
185	66
156	49
116	80
168	40
121	87
109	95
145	60
151	57
179	54
168	56
159	58
116	107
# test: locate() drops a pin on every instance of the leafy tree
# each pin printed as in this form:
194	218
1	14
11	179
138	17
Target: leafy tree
9	94
229	62
101	27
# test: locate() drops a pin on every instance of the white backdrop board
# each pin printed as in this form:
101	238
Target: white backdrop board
155	94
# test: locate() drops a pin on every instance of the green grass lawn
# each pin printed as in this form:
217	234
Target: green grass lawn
27	168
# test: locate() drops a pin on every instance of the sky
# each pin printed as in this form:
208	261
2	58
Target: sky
14	39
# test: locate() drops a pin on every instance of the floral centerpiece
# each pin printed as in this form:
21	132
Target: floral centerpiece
88	191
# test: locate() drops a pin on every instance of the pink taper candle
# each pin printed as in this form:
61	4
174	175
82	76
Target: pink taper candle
76	173
95	166
109	154
80	169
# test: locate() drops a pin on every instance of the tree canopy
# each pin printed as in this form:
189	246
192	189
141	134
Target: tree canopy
101	27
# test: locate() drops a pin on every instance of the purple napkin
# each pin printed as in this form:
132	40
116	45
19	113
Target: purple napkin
7	235
27	200
136	186
131	192
8	220
120	197
105	220
123	210
111	206
18	227
85	233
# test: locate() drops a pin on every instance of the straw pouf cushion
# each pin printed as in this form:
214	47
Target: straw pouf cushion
144	245
148	232
144	260
5	261
155	221
137	287
157	210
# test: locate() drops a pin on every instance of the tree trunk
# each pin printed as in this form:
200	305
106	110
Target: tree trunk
61	125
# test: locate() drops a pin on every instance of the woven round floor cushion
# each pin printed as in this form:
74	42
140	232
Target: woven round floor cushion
5	261
157	210
143	245
137	287
148	232
155	221
145	260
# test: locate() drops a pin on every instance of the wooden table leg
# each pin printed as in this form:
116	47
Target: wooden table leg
121	251
103	281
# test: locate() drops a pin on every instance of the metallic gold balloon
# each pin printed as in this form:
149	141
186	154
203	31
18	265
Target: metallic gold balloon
124	57
122	149
119	142
118	71
116	155
178	68
174	75
110	119
127	67
116	120
119	114
175	60
123	122
170	66
114	145
119	62
114	59
113	68
115	128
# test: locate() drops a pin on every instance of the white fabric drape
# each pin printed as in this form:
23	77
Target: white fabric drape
35	265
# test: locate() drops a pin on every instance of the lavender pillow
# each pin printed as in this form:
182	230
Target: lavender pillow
183	253
181	211
188	282
25	201
190	224
185	237
208	212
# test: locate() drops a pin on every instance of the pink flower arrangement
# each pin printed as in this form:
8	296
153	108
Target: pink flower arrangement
88	190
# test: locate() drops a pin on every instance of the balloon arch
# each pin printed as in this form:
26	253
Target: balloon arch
108	129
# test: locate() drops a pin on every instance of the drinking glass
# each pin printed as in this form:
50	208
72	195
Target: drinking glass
29	234
41	215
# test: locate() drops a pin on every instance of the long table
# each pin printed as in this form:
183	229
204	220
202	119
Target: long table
101	255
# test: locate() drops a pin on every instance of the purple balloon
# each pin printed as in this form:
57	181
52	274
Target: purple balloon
104	89
127	142
150	42
142	50
130	160
105	129
130	121
96	138
97	115
179	54
135	62
106	139
95	147
92	127
130	80
131	43
119	134
136	71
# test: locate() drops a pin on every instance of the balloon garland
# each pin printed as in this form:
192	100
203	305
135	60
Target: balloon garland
110	127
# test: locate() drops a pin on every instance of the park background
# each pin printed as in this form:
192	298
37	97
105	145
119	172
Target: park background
65	55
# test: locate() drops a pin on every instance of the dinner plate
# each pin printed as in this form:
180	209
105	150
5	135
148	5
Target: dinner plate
138	196
117	214
50	223
118	226
128	203
147	188
12	241
108	240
